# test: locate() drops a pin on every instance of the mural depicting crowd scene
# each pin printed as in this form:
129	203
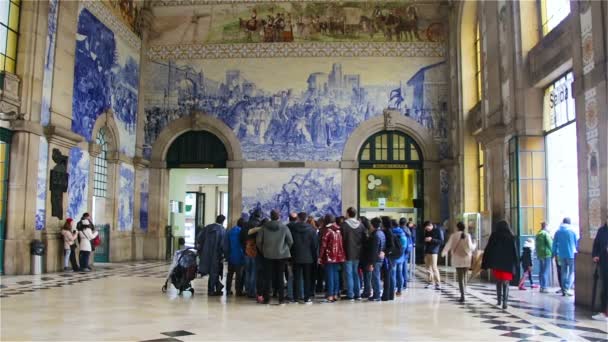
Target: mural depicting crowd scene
43	161
78	182
302	109
244	22
292	190
126	197
106	76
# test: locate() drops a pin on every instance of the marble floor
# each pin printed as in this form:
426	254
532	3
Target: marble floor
123	302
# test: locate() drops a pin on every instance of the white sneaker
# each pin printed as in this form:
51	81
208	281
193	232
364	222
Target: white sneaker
600	317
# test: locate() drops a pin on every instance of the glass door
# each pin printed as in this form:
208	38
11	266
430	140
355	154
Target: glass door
5	138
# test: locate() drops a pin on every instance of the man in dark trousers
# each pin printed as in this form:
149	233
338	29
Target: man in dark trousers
274	240
210	243
304	253
600	257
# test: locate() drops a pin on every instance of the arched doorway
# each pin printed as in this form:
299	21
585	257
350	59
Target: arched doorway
159	175
198	183
391	176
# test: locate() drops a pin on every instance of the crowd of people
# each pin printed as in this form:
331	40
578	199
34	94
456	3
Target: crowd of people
362	258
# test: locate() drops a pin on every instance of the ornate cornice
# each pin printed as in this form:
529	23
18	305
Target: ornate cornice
308	49
165	3
108	18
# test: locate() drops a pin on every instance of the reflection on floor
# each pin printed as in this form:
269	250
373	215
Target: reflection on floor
124	302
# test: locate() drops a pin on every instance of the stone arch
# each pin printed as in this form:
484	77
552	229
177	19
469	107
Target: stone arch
398	122
107	121
197	121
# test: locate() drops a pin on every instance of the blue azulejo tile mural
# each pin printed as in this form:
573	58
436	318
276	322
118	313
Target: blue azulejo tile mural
297	108
106	77
126	197
315	191
43	160
49	63
144	178
78	182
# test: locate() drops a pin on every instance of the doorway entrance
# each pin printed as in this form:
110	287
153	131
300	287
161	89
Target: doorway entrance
198	184
390	177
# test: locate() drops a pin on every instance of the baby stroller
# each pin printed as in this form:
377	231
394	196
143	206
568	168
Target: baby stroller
183	271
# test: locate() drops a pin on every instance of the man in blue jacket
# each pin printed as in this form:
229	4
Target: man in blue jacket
236	259
564	248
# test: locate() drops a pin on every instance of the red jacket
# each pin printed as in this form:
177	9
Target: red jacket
332	251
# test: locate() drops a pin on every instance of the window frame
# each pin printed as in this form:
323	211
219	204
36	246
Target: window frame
478	51
409	145
544	20
4	57
100	165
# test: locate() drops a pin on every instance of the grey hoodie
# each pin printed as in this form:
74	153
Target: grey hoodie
352	238
274	240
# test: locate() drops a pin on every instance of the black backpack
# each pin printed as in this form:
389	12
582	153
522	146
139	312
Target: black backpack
397	247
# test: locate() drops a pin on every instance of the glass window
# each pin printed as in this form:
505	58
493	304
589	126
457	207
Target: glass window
559	106
390	147
478	62
365	152
482	187
100	168
9	34
553	12
528	183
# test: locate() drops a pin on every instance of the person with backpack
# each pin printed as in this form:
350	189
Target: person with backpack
293	218
409	250
210	246
86	233
331	255
432	244
352	234
251	252
544	247
461	245
69	245
564	248
397	272
274	240
393	252
304	253
375	255
236	259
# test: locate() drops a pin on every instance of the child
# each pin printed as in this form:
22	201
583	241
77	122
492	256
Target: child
526	263
69	245
181	242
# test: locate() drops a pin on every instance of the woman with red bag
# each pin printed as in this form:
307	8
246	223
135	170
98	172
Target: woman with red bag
331	255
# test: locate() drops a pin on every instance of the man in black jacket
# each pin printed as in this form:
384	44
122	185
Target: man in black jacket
304	253
432	244
600	256
352	237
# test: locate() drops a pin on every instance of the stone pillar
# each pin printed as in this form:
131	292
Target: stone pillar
235	193
591	96
154	242
350	184
431	191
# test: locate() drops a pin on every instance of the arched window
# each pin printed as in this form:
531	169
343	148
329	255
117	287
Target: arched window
390	147
100	173
478	61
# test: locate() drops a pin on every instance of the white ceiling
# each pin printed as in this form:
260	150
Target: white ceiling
203	176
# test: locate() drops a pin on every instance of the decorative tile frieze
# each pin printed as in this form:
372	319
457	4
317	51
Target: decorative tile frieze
266	50
108	18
